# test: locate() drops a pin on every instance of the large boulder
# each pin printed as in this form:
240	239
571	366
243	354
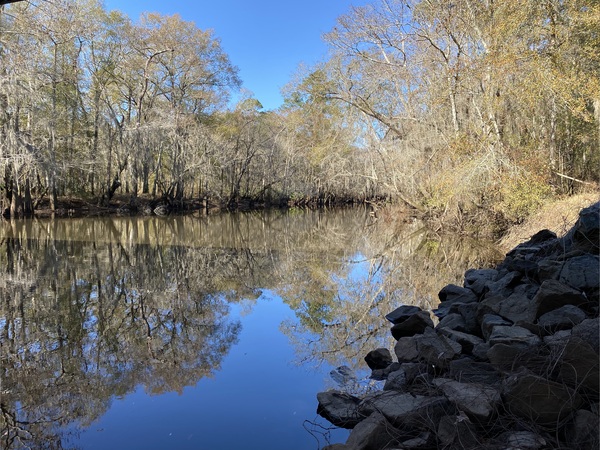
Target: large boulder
437	349
539	400
405	410
477	400
402	313
554	294
340	408
378	359
414	324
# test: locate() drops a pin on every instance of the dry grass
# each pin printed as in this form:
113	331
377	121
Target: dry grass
558	216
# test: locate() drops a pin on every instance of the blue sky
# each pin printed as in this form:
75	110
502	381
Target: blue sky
265	39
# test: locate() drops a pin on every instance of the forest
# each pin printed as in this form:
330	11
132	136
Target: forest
465	111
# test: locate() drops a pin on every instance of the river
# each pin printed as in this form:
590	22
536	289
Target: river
202	332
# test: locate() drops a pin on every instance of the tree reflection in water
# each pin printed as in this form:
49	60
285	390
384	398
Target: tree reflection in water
90	309
342	312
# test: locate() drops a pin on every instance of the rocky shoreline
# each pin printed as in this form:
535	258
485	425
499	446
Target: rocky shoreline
512	363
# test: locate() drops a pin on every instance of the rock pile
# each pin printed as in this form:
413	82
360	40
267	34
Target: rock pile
512	364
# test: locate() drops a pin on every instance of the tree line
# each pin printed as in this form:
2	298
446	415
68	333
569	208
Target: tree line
456	109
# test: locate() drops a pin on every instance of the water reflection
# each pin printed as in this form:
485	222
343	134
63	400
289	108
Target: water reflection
90	309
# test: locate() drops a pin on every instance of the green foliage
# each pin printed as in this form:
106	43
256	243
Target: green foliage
522	196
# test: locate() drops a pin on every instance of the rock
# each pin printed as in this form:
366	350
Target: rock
489	322
436	349
563	318
414	324
505	356
589	331
583	430
457	432
480	351
371	433
554	294
405	376
402	313
476	400
522	440
343	376
378	359
406	349
382	374
339	408
514	308
477	279
505	285
585	235
452	293
406	410
466	341
578	365
520	263
453	321
513	335
420	441
582	273
468	311
396	381
468	371
539	400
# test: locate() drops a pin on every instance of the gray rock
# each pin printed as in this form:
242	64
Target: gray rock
453	321
480	351
468	371
343	376
522	440
560	337
468	311
402	313
466	341
406	349
513	335
436	349
475	399
396	381
340	408
539	400
563	318
477	280
578	365
378	359
457	432
489	322
583	430
582	273
505	285
514	308
453	293
405	410
506	356
382	374
371	433
405	376
553	294
414	324
589	331
421	441
585	233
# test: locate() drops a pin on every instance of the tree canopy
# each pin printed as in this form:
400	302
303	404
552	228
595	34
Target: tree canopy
457	109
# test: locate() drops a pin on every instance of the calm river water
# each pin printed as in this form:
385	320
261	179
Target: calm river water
201	332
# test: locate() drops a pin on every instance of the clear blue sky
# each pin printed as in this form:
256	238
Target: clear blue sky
265	39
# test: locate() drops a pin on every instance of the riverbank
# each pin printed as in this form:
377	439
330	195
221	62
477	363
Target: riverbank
508	360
